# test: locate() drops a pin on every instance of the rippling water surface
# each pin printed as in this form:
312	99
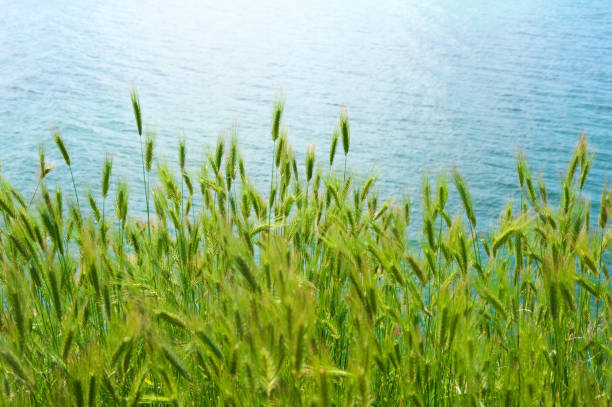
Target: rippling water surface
428	85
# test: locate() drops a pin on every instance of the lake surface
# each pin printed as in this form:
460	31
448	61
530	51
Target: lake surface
428	86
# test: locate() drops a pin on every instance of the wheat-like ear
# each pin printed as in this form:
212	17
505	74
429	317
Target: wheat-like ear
233	156
604	207
581	149
333	147
345	129
310	161
44	167
137	110
106	173
122	203
521	167
219	153
584	170
175	361
61	146
41	160
465	196
294	165
280	148
182	152
279	106
442	193
94	207
150	145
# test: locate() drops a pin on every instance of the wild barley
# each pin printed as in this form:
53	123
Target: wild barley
294	166
150	145
466	199
174	360
67	344
106	174
502	238
494	302
345	130
584	171
212	346
604	208
416	267
279	154
122	204
521	168
171	319
135	99
333	147
219	154
276	125
531	189
310	161
244	269
94	207
182	151
279	106
242	171
231	162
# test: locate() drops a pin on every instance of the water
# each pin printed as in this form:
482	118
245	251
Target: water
428	86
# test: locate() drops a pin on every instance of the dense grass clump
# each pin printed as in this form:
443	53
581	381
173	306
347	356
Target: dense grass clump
310	295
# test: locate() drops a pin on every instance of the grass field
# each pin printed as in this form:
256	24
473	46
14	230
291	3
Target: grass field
307	294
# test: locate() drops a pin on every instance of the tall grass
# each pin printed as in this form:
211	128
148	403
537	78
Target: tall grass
326	303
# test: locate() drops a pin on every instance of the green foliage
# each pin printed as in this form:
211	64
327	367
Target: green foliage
329	302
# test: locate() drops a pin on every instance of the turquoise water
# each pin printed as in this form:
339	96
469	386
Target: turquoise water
428	86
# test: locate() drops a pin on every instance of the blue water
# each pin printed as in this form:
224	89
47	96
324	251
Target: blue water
428	86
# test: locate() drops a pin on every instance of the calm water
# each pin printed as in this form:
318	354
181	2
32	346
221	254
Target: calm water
428	86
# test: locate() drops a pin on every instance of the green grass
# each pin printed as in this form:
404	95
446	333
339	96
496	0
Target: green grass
310	295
